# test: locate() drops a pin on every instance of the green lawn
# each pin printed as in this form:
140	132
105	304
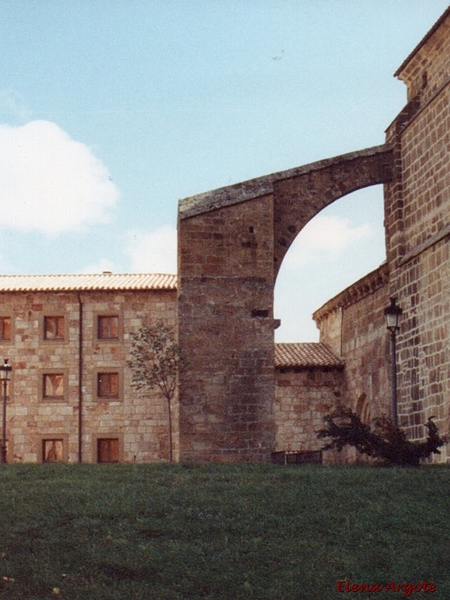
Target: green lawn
266	532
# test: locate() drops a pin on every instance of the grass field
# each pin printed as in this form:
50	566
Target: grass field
172	532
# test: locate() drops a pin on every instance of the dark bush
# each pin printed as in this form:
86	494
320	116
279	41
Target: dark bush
381	440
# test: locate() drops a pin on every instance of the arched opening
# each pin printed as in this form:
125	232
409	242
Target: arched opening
363	409
231	243
341	244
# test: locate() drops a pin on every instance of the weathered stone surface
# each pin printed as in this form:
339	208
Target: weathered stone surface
231	243
234	237
140	423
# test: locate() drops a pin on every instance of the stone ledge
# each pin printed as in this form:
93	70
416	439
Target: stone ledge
428	243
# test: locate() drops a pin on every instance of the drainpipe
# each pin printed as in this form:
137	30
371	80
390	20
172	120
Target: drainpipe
80	379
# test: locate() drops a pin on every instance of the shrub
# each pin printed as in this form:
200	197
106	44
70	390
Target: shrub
382	440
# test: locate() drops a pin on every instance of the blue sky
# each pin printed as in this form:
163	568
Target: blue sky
113	110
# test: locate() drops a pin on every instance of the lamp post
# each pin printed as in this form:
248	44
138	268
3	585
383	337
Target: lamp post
5	374
393	314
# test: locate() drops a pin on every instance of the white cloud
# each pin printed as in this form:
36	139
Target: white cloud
324	238
50	183
153	252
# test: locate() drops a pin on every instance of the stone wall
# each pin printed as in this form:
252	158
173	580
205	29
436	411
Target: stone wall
353	325
231	244
302	398
417	206
226	331
139	425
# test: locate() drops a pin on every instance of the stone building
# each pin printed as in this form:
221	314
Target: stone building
68	339
240	396
233	240
309	380
70	397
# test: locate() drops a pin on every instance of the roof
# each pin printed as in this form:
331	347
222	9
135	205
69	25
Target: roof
104	281
306	354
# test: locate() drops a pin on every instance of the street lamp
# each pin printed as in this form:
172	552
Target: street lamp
5	374
393	314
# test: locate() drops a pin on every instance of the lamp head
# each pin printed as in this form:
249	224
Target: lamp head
5	370
393	314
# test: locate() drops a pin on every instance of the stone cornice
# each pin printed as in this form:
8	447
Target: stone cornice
360	289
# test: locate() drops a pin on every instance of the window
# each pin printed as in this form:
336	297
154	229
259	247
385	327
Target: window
108	385
107	450
108	327
53	385
5	328
297	458
53	328
52	450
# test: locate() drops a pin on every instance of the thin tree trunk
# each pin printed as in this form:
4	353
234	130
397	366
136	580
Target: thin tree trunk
170	430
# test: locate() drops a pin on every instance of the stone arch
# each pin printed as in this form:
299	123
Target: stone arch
301	196
363	408
231	243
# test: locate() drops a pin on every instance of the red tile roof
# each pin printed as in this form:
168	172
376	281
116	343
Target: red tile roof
307	354
103	281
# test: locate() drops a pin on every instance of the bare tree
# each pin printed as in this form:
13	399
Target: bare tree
155	357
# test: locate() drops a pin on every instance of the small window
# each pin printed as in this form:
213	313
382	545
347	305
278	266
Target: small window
108	385
53	328
424	79
53	385
108	327
107	450
52	450
5	328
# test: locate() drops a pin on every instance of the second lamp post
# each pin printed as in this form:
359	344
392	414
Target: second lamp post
5	374
393	314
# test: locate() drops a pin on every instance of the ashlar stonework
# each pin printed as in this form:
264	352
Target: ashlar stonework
241	397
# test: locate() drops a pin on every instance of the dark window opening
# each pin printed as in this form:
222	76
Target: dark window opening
108	328
107	450
297	458
108	385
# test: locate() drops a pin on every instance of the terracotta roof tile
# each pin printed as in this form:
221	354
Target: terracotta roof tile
80	282
307	354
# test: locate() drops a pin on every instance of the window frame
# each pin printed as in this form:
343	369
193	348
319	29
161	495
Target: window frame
50	437
48	372
108	437
109	315
109	398
4	340
43	328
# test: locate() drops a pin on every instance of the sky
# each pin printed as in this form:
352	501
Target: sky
113	110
